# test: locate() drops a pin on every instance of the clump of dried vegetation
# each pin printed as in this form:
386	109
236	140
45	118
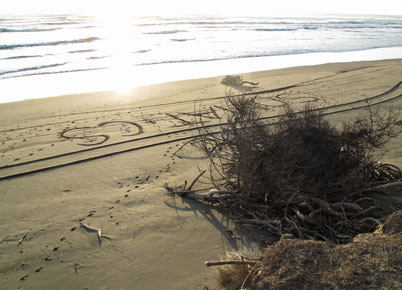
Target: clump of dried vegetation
300	176
371	261
235	80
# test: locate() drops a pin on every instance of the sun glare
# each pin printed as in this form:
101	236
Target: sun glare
117	33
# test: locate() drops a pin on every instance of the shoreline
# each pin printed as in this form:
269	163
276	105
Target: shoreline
98	81
104	159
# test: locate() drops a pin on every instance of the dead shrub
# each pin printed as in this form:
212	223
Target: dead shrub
299	175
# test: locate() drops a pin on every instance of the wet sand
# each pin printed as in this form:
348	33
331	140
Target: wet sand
103	159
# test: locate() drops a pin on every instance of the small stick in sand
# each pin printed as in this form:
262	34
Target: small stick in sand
22	239
214	112
184	122
5	239
76	266
98	232
229	262
88	227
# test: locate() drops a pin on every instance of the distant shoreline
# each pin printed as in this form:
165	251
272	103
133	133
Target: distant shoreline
45	56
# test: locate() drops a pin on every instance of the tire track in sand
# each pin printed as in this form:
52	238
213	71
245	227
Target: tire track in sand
108	150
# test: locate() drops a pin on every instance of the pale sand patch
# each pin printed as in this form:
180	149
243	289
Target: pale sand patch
109	156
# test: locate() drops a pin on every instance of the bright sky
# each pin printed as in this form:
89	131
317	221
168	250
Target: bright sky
178	7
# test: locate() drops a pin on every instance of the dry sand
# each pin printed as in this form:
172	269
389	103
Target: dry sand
103	159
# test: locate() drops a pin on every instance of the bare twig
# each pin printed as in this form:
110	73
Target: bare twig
388	185
181	147
368	210
229	262
370	219
22	239
214	112
98	232
195	180
184	122
5	239
346	205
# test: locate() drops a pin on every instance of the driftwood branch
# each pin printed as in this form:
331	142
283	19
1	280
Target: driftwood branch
22	239
387	185
229	262
373	220
206	196
98	232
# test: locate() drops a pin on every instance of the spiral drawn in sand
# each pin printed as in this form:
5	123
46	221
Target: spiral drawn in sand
85	133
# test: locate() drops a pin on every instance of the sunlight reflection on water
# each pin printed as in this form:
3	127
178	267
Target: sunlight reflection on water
124	77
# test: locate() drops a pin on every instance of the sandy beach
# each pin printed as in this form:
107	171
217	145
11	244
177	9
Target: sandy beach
102	159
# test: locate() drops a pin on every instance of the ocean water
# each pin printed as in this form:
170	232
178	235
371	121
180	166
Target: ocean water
47	55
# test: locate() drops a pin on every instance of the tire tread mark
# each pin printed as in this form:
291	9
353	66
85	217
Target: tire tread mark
394	88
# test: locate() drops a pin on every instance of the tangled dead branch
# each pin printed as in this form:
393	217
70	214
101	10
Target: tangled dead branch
300	175
236	80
